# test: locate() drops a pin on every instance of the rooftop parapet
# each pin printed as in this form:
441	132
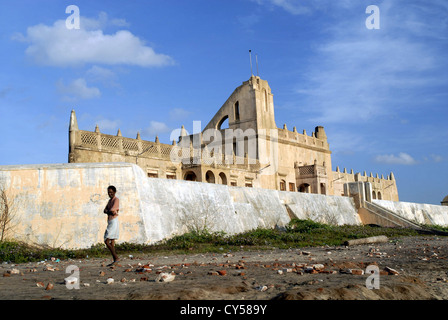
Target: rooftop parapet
358	177
317	139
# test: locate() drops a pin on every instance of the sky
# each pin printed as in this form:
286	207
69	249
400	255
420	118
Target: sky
377	80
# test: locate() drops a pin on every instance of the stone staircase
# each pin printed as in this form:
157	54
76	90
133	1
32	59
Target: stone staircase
386	217
373	214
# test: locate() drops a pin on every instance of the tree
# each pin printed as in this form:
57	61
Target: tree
6	212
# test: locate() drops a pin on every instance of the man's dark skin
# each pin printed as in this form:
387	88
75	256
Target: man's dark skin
110	243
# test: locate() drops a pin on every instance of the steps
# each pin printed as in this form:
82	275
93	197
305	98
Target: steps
386	217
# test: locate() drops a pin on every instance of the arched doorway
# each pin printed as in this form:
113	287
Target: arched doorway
223	178
210	177
323	190
190	176
305	188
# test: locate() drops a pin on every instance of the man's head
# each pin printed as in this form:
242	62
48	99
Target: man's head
111	190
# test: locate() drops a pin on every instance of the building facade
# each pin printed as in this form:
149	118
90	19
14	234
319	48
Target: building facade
240	146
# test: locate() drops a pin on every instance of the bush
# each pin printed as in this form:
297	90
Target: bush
306	226
298	233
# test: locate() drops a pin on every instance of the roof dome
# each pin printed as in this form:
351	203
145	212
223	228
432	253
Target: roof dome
445	201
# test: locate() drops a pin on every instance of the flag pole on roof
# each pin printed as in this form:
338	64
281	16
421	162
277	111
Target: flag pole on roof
250	59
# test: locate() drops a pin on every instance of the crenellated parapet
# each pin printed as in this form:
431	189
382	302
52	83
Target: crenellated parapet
384	188
317	139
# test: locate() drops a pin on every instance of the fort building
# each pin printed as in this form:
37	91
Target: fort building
240	146
444	202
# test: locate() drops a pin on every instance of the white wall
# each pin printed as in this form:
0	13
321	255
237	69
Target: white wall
61	205
419	212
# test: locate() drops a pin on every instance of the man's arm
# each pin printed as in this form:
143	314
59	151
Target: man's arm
115	207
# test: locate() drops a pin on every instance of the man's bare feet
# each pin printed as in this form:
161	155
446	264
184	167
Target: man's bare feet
114	262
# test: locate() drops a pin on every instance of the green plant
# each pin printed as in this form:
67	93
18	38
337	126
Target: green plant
297	234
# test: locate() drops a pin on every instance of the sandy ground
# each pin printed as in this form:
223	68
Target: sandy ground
322	273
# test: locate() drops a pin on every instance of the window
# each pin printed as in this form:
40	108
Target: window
282	185
323	189
171	175
266	101
210	177
152	174
223	123
292	187
237	111
223	178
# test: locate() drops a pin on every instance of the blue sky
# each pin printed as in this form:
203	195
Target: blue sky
152	66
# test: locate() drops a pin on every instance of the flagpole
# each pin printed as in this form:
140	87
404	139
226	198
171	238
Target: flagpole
250	58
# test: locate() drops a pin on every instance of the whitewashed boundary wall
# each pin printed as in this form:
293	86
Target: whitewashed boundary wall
61	205
421	213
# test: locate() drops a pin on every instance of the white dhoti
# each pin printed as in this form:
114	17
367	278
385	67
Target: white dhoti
112	231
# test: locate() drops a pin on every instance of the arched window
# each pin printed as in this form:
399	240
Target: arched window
373	195
223	178
210	177
282	185
237	111
223	123
265	100
379	196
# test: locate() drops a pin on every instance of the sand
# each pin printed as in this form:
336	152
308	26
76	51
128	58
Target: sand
411	268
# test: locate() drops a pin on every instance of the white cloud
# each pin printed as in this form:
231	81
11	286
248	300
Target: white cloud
436	158
58	46
77	89
291	6
107	124
102	22
354	83
178	114
300	7
347	142
358	75
103	75
402	158
156	128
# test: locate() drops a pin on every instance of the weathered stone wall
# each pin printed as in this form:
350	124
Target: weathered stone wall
419	212
61	205
335	210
